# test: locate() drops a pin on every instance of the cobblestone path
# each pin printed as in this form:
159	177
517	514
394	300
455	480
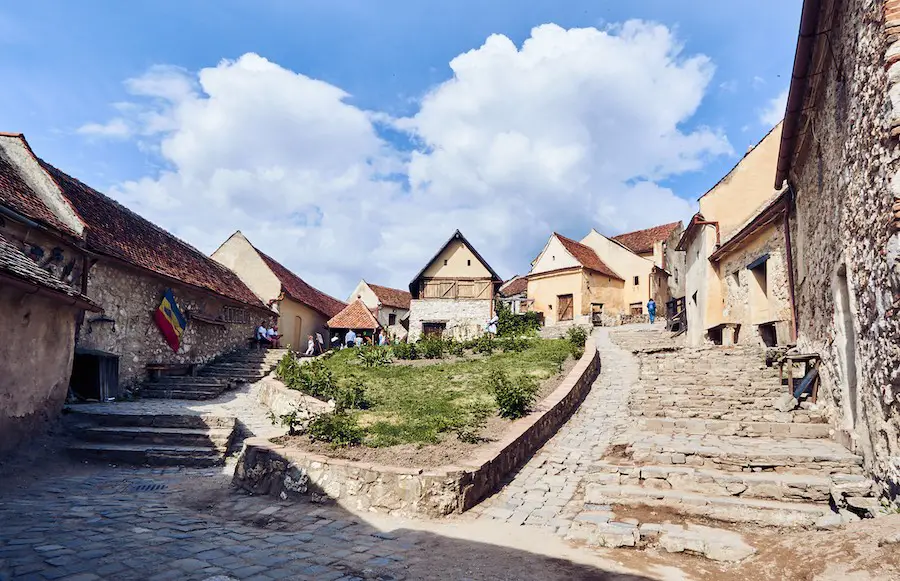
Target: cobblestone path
543	493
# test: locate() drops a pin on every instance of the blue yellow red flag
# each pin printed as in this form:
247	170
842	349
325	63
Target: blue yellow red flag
170	321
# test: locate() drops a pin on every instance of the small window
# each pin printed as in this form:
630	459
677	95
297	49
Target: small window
392	320
637	280
636	308
445	262
433	330
468	263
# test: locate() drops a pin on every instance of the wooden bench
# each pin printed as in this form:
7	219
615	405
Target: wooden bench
810	361
157	370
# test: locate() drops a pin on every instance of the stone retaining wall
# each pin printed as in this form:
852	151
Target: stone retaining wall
267	468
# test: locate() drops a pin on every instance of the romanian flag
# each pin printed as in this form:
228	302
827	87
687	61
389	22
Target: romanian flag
170	321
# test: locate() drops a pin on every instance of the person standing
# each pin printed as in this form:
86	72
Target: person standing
651	310
350	338
310	347
320	343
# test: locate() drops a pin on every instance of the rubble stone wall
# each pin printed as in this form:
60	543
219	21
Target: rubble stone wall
267	468
843	178
465	318
130	297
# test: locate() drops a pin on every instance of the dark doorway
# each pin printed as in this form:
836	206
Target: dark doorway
433	330
768	335
95	375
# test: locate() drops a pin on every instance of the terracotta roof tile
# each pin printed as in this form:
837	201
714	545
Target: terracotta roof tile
18	195
391	297
514	286
113	230
16	263
356	315
642	241
586	256
299	290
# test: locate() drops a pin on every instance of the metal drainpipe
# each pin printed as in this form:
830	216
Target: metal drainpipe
788	202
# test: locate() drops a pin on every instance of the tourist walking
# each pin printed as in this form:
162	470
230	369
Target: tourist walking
651	310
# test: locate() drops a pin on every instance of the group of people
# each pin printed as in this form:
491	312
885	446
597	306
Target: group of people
351	339
268	337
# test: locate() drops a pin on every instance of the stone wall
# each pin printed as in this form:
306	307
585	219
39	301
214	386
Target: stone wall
35	362
130	297
266	468
738	283
846	252
465	318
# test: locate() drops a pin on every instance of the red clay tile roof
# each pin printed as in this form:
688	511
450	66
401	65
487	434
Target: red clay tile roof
298	289
356	315
15	263
18	195
514	286
114	230
642	241
391	297
586	256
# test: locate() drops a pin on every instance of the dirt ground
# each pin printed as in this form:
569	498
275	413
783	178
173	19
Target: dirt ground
449	451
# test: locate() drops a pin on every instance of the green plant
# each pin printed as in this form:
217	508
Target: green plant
559	359
374	356
404	351
455	348
312	377
484	344
431	348
337	427
352	395
510	324
293	420
577	336
513	344
514	396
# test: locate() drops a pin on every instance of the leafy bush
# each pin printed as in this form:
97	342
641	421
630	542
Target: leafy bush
577	352
559	359
484	345
513	344
404	351
294	420
352	395
287	369
374	356
312	377
455	348
430	348
338	428
577	336
514	397
513	325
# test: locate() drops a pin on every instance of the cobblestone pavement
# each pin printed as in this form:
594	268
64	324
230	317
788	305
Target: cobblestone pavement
543	493
97	522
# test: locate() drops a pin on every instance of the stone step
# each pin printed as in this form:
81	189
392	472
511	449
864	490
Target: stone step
701	413
783	487
724	508
707	391
176	393
153	455
217	438
187	380
714	402
740	454
73	417
734	428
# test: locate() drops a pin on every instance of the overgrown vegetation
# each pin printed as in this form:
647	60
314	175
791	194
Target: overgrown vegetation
430	348
405	351
386	405
514	396
374	355
577	337
510	324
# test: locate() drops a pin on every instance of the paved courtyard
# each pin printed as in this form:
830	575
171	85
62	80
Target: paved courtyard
543	493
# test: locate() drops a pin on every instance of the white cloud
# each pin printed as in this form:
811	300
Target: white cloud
573	130
729	86
116	128
774	110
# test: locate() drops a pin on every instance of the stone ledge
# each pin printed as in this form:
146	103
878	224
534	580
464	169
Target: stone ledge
268	468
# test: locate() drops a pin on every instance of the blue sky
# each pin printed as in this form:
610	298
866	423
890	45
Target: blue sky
65	64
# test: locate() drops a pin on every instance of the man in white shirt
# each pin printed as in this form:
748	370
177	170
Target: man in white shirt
272	336
261	338
320	343
310	347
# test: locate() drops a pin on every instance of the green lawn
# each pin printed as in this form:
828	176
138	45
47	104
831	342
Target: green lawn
415	402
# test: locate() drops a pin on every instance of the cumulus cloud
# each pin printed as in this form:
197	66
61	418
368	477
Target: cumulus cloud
774	110
574	129
116	128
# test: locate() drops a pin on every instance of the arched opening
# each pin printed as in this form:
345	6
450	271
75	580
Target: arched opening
846	344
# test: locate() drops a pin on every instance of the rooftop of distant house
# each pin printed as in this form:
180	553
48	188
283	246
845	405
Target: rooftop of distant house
301	291
642	241
356	315
586	256
514	286
391	297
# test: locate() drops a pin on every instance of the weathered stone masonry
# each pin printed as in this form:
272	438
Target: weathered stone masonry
465	318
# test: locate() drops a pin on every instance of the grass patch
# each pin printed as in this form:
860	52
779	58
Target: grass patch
418	403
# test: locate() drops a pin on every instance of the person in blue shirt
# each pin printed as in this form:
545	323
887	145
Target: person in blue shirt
651	310
350	338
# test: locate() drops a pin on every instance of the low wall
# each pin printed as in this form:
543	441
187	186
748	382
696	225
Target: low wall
267	468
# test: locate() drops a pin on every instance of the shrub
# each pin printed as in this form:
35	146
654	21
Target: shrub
294	420
513	344
404	351
513	325
430	348
559	359
455	348
374	356
514	397
484	345
352	395
577	336
287	369
338	428
312	377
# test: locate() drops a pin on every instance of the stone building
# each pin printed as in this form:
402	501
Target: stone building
570	284
736	266
41	274
453	295
514	294
657	244
302	309
839	160
132	263
390	306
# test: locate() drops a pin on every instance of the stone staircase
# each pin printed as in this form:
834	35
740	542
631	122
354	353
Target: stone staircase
150	440
216	377
706	442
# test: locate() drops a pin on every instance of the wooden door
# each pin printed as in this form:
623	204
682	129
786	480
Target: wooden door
566	307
